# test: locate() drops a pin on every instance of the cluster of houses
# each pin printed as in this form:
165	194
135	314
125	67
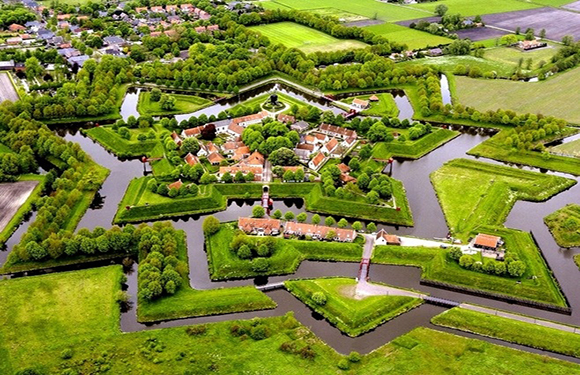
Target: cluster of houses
327	141
273	227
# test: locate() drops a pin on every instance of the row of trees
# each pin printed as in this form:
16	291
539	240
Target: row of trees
510	267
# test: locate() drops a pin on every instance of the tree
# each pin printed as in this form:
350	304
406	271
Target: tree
190	145
260	265
509	39
330	235
371	227
283	156
299	175
357	225
329	221
567	40
543	33
211	225
342	223
33	68
319	298
301	217
263	250
288	175
155	95
289	215
466	261
516	268
315	219
441	9
244	252
258	211
277	214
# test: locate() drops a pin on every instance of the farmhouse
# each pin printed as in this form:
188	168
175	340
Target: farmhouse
383	238
360	104
259	227
487	242
527	45
191	159
318	232
337	131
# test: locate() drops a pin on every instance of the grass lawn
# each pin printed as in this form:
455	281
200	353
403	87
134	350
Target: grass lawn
413	149
309	40
261	99
386	105
470	8
414	39
511	330
122	147
183	104
495	148
285	259
556	96
351	314
366	8
188	302
438	267
473	193
512	56
564	224
448	64
571	148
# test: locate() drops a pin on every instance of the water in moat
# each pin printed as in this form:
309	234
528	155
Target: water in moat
429	222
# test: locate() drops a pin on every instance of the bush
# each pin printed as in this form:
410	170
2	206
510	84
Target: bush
66	354
258	211
259	332
196	330
319	298
288	347
307	352
455	253
263	250
354	357
211	225
343	364
244	252
260	265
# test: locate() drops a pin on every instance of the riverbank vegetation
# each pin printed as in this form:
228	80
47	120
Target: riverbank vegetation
535	335
564	224
473	193
406	148
227	259
536	284
337	301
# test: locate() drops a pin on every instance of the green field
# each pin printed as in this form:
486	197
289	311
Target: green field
366	8
414	39
293	35
569	149
557	96
386	106
121	147
511	330
564	224
183	104
351	314
512	55
449	63
436	266
286	256
473	193
471	8
413	149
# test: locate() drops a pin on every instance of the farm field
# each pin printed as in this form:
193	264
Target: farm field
471	8
7	89
556	96
414	39
366	8
183	104
571	148
16	201
449	63
513	55
309	40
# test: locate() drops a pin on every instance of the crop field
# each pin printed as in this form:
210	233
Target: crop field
12	196
7	90
571	148
557	96
448	63
309	40
366	8
511	55
351	314
472	8
414	39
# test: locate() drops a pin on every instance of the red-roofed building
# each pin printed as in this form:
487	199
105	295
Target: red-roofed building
16	27
157	9
343	168
171	8
317	161
256	159
360	104
318	232
200	29
487	242
175	185
250	119
186	8
241	153
62	17
259	227
374	98
383	238
176	139
192	132
213	28
215	158
155	34
141	9
286	118
245	169
331	146
191	159
337	131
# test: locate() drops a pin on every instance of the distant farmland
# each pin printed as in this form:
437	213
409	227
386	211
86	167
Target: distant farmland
304	38
414	39
7	90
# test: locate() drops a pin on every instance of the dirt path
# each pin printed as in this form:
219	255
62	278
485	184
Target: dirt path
12	196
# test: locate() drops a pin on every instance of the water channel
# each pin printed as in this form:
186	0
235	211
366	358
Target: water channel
429	222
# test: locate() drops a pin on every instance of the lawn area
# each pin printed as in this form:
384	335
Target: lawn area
449	63
285	258
351	314
309	40
414	39
473	193
367	8
512	56
122	147
188	302
471	8
183	104
556	96
571	148
439	268
413	149
50	313
511	330
495	148
386	105
564	224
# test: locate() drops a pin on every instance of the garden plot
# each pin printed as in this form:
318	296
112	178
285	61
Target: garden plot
12	196
7	90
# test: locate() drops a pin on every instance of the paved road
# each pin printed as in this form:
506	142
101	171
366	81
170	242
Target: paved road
267	175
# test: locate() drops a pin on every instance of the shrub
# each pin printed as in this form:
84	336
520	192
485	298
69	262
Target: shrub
244	252
258	211
260	265
259	332
66	354
343	364
354	357
455	253
211	225
263	250
516	268
307	352
288	347
466	261
319	298
500	268
196	330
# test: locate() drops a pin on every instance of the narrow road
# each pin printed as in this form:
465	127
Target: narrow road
267	176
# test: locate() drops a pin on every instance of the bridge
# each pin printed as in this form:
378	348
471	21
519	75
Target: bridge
267	203
272	286
440	301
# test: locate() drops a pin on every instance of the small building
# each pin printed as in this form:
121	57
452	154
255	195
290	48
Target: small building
286	119
337	131
300	126
487	242
527	45
318	232
360	104
7	65
241	153
259	227
383	238
374	98
113	40
250	119
176	139
191	159
433	52
215	158
331	146
16	28
317	161
175	185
